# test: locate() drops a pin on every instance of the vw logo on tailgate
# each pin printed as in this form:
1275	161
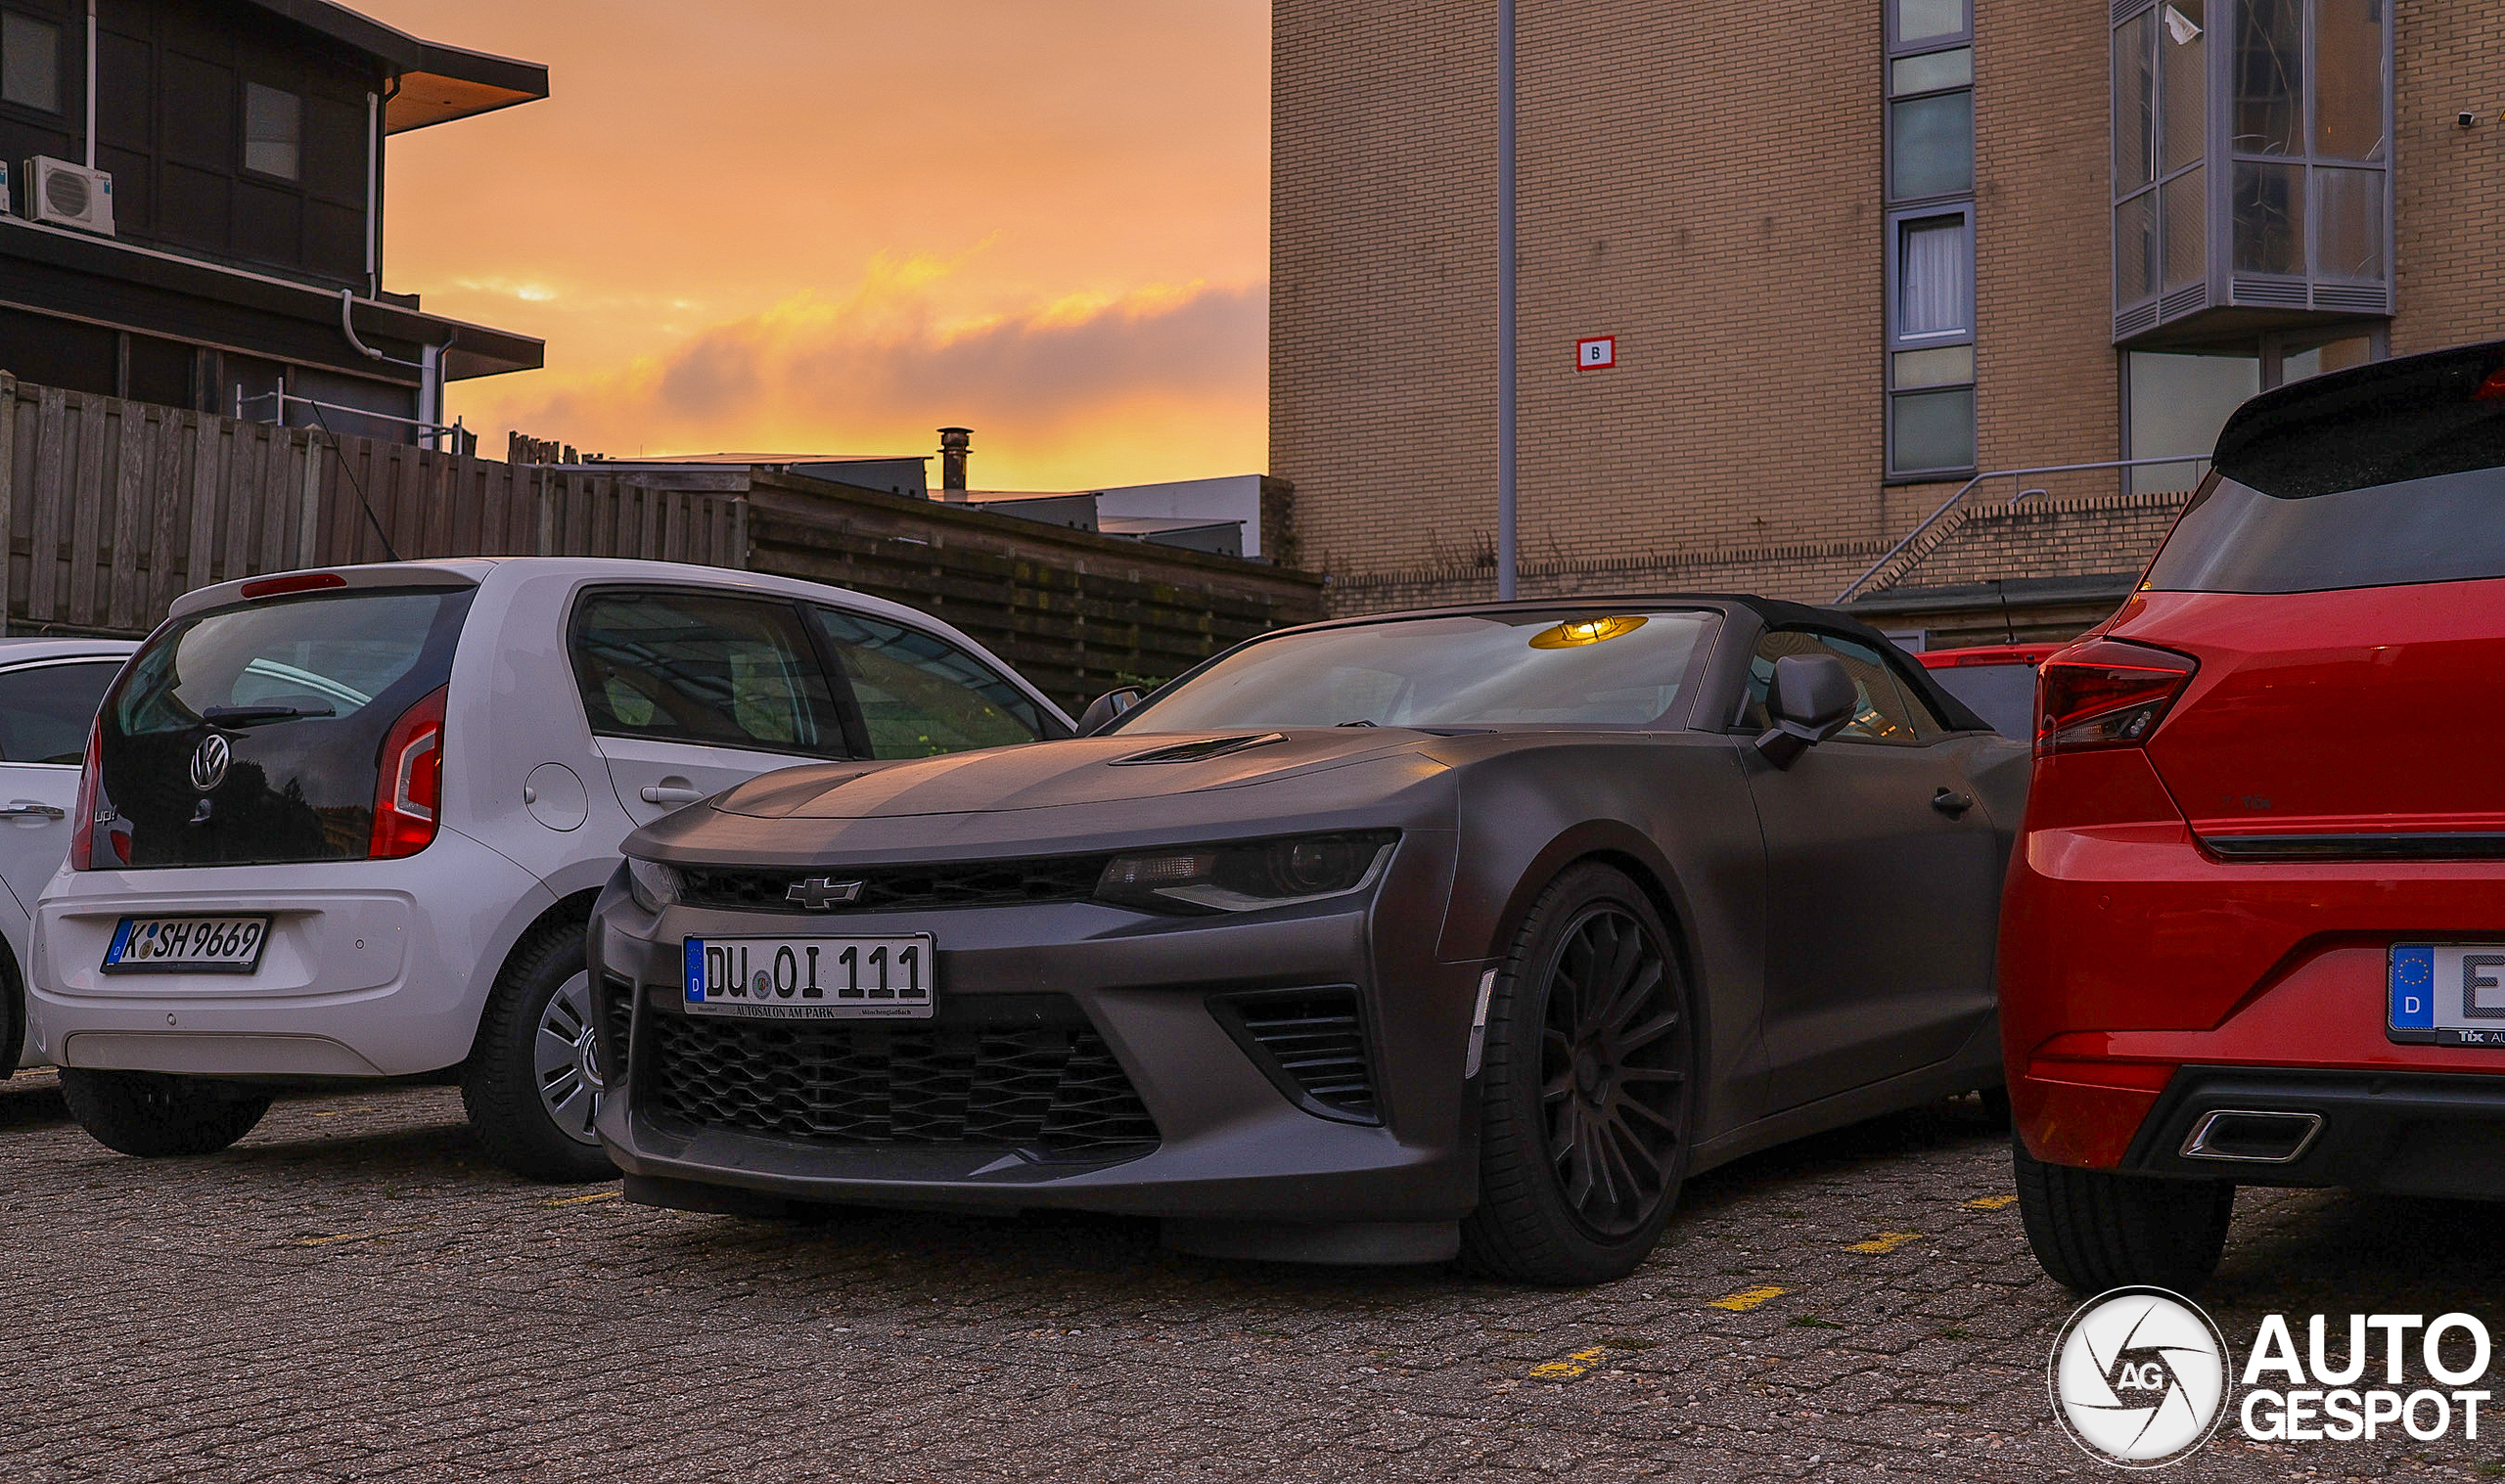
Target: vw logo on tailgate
209	764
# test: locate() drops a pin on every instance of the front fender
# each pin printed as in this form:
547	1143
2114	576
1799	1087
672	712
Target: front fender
1674	811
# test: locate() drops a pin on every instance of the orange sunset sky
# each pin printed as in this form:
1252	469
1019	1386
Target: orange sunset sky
834	225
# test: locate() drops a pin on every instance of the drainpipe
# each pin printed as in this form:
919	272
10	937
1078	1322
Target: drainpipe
431	390
91	84
373	185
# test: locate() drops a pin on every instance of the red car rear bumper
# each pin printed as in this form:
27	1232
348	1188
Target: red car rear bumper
2128	954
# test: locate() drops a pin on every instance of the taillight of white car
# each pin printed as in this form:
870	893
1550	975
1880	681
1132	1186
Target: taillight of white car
408	786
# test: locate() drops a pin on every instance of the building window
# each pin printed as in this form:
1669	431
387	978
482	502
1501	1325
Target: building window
1931	237
273	131
2179	403
30	61
2251	161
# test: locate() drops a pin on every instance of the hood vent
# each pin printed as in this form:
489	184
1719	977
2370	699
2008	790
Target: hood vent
1201	752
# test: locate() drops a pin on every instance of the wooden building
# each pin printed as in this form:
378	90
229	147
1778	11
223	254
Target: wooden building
231	250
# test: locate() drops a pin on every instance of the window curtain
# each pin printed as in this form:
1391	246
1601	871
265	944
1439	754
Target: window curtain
1936	278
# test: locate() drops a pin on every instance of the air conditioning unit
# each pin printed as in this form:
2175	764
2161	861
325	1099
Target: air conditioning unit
69	195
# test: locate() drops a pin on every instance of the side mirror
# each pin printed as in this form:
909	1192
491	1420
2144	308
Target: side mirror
1100	711
1811	699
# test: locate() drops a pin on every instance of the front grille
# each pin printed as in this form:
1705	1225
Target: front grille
1055	1089
617	1011
1311	1041
898	888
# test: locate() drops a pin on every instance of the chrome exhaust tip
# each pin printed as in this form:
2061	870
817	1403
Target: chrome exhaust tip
2252	1136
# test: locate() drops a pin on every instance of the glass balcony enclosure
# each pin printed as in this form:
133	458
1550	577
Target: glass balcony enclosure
2252	167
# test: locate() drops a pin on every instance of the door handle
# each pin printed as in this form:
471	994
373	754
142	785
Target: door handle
670	793
27	808
1952	803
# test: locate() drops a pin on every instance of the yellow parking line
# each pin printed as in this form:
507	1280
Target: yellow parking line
1885	1242
324	1242
1991	1202
584	1200
1570	1367
1746	1299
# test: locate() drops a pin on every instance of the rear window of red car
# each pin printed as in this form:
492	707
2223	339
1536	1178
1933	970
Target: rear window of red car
2382	476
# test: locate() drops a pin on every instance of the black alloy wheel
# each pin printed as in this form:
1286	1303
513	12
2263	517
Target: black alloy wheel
1586	1094
1614	1062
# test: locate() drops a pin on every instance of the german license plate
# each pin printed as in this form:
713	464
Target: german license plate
209	945
2449	994
810	978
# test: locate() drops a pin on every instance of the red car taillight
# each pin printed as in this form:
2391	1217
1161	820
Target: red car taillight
2106	693
408	784
82	819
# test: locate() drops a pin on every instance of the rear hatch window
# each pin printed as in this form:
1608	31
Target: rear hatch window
254	735
2383	476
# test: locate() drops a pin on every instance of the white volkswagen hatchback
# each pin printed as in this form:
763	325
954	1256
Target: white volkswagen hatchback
49	689
349	824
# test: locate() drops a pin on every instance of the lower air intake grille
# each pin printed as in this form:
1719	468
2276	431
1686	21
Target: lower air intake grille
1055	1089
1313	1043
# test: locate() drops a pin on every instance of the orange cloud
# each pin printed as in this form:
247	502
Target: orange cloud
837	224
1148	386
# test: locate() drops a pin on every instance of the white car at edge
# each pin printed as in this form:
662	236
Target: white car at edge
349	824
49	689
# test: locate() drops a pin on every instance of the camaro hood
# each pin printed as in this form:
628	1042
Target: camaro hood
1088	770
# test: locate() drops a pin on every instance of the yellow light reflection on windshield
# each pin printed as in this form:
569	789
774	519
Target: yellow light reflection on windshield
1575	633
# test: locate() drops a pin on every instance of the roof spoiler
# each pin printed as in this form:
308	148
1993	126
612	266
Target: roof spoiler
2413	418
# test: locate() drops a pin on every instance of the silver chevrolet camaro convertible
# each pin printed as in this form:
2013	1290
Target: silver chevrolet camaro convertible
1470	932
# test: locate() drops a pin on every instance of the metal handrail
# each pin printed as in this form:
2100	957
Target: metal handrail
285	397
1963	490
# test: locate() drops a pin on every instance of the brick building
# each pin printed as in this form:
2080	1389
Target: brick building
1850	259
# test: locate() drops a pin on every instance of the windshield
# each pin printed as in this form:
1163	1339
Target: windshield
1591	668
301	692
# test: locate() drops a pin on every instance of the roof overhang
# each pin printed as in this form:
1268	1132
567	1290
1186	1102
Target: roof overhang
438	84
133	279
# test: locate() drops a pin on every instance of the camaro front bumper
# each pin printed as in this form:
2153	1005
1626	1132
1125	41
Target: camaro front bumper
718	1113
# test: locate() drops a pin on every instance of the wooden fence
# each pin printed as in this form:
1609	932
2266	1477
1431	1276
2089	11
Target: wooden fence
112	508
115	507
1077	612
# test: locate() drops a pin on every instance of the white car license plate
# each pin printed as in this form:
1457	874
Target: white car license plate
810	978
212	945
2451	994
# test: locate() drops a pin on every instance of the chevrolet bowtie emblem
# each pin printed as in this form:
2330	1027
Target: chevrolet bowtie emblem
823	893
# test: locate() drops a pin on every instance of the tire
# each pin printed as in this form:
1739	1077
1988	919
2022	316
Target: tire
531	1084
1585	1104
2095	1229
154	1115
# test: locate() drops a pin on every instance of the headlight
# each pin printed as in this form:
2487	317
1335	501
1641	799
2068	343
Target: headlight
1249	876
651	883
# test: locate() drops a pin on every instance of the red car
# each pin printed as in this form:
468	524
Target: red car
2254	928
1996	682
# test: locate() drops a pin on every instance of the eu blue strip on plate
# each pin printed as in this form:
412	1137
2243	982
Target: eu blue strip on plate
695	970
2413	988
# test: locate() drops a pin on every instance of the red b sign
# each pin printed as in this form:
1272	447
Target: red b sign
1597	354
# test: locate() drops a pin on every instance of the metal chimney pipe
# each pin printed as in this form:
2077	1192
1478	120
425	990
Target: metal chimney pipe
954	444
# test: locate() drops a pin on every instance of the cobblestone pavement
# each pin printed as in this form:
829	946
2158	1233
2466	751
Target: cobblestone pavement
352	1293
